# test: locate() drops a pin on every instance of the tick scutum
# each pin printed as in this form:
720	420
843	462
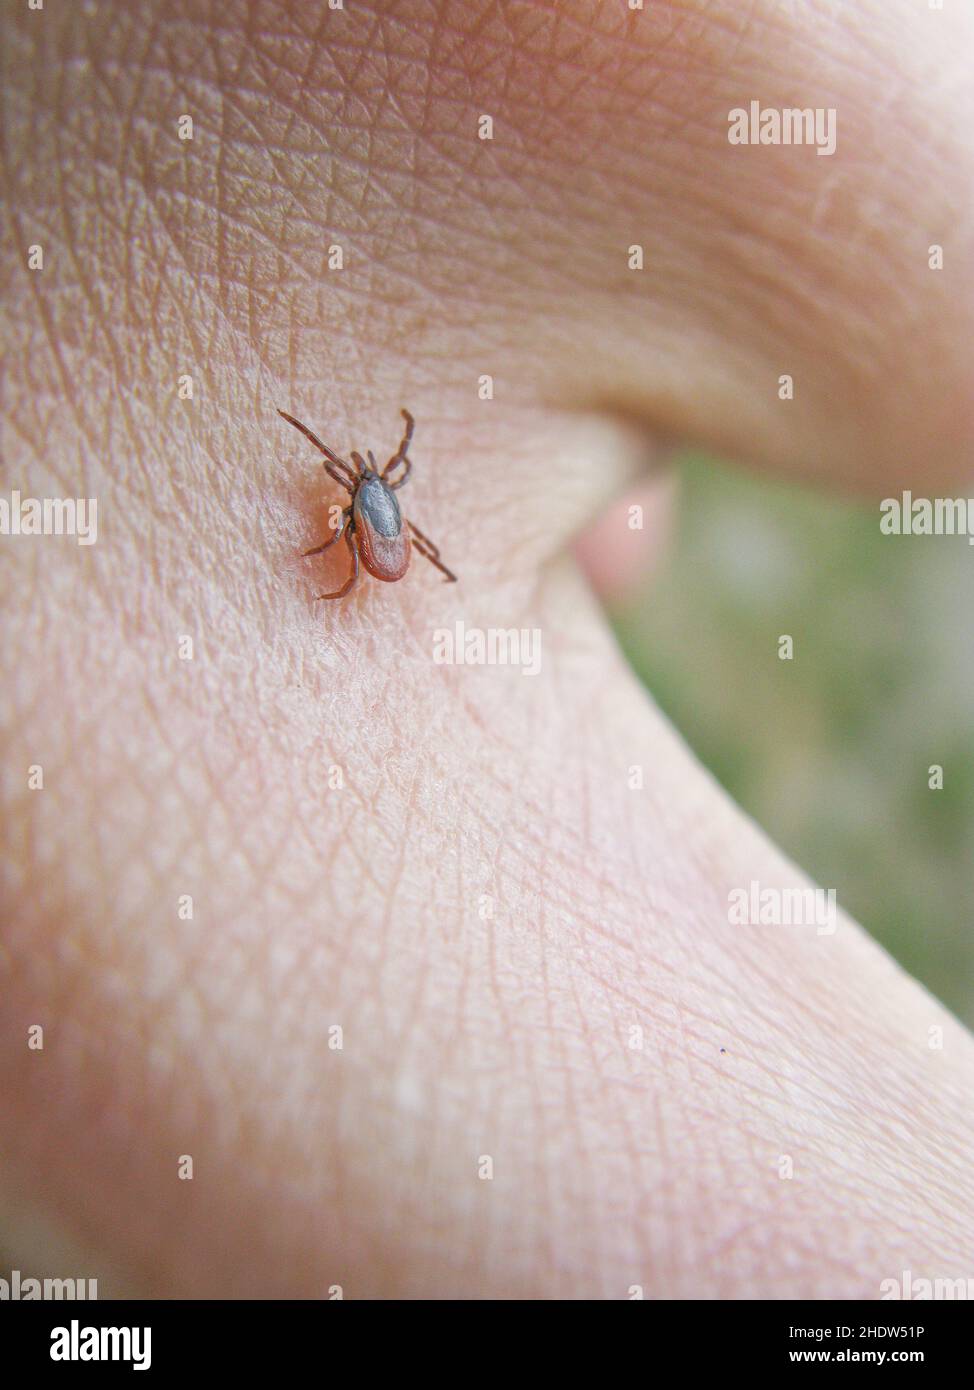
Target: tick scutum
378	505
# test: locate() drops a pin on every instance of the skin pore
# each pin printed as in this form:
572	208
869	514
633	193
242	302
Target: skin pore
484	906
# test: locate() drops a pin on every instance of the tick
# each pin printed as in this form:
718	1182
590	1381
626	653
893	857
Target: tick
372	523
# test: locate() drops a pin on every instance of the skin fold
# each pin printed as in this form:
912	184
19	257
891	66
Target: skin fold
484	907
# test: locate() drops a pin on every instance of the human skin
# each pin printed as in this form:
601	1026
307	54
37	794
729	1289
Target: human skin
485	907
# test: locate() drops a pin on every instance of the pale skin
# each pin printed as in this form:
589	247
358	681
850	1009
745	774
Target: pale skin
484	907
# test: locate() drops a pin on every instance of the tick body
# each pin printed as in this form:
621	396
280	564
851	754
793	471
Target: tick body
373	524
382	537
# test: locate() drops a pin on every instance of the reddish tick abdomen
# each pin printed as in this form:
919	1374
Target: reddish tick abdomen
383	540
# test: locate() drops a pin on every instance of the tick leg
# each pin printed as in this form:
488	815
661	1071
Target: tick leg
430	552
400	455
337	536
353	547
334	462
402	476
425	539
451	577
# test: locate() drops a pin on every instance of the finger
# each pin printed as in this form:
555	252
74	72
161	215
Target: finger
622	548
609	129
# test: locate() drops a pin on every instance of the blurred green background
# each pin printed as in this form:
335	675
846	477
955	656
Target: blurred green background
830	751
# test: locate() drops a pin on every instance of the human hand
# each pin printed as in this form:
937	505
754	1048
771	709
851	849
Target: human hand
484	907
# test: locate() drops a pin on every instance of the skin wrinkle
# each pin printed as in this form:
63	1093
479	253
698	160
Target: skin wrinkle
608	906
